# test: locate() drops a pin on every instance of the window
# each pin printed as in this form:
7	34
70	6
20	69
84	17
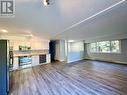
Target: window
93	47
115	46
105	47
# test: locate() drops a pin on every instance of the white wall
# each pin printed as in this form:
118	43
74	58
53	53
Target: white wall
60	50
114	57
75	51
57	51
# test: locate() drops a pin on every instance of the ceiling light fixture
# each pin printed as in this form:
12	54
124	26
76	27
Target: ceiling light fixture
46	2
30	35
4	31
70	41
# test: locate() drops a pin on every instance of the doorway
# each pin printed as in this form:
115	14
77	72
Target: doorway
52	49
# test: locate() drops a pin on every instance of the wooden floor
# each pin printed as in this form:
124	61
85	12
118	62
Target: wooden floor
81	78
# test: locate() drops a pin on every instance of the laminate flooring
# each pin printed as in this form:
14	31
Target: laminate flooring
79	78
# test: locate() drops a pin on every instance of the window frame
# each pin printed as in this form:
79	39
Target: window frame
97	51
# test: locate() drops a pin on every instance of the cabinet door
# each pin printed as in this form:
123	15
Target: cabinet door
48	58
35	60
16	63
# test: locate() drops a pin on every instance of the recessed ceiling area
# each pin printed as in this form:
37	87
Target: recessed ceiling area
112	22
49	22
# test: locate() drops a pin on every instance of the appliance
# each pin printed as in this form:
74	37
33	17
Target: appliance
25	60
24	48
42	59
4	67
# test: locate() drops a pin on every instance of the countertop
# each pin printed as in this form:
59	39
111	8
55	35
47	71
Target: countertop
30	53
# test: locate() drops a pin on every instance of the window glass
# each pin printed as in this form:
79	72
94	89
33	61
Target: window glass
93	47
115	46
105	47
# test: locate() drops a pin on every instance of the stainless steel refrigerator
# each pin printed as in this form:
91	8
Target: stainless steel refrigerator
4	67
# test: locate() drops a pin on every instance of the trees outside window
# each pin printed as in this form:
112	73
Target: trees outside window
105	47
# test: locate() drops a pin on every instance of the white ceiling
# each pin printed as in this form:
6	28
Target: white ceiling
50	22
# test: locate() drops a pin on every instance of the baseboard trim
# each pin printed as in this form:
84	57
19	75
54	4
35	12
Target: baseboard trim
118	62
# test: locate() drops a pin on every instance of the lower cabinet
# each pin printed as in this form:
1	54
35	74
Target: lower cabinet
48	58
35	60
16	63
40	59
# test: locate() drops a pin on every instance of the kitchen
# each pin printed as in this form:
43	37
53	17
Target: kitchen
27	51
